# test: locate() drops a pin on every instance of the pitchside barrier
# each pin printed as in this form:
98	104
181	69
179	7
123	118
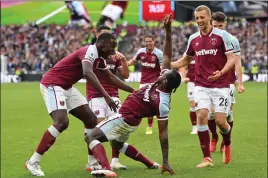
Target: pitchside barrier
133	77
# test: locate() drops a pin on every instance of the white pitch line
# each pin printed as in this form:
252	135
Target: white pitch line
50	15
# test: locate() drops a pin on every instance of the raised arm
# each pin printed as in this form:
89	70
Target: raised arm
167	44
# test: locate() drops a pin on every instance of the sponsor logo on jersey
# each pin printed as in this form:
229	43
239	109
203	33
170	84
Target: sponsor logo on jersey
146	64
146	94
204	52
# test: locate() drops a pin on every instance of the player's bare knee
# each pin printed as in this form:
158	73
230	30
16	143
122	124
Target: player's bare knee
202	116
192	104
62	124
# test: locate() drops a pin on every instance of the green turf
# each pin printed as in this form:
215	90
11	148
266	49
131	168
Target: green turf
32	11
24	119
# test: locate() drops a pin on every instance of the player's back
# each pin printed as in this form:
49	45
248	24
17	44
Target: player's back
145	102
67	71
113	65
150	64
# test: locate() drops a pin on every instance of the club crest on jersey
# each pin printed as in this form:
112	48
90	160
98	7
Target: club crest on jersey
213	41
154	97
97	112
62	103
196	44
142	57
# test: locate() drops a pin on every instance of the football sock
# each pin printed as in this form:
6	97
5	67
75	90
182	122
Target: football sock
226	134
193	116
100	154
203	136
48	139
133	153
150	121
87	132
115	153
212	126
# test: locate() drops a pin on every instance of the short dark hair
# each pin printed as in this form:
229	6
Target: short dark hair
174	80
219	17
149	36
103	27
106	36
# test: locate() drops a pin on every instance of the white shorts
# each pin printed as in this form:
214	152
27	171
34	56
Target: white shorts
218	98
112	12
143	84
116	129
101	108
232	93
190	91
57	98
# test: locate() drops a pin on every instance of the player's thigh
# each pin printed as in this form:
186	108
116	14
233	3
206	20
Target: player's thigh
220	97
112	12
54	98
84	114
74	99
109	112
98	106
202	98
190	91
116	129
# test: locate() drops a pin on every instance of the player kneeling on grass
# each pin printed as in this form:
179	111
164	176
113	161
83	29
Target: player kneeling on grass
154	99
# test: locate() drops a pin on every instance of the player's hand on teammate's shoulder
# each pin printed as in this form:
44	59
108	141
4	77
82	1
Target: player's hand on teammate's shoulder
167	21
186	80
166	168
113	106
240	88
216	75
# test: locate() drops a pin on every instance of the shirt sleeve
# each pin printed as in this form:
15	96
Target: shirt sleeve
160	56
136	56
91	54
228	46
236	46
189	50
164	106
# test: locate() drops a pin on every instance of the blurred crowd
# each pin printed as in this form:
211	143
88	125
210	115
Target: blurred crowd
38	48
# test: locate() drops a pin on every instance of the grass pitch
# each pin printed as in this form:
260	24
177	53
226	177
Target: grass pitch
32	11
24	119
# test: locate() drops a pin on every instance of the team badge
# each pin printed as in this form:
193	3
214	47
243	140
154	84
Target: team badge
196	44
97	112
213	41
62	103
154	97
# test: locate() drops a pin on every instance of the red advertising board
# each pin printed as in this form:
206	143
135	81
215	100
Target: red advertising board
155	10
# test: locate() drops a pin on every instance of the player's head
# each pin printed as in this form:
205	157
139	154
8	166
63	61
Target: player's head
106	44
202	17
103	29
219	20
170	80
149	42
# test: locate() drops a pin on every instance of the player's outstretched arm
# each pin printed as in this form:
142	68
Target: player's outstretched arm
238	70
115	81
131	62
167	44
182	62
93	80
